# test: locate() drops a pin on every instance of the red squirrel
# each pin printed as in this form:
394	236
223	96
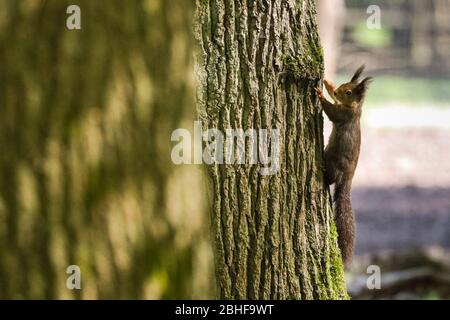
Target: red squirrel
342	152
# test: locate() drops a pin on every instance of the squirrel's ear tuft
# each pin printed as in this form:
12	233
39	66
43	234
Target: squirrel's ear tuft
357	73
361	88
365	82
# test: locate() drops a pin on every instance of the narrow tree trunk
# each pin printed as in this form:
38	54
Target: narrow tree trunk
274	235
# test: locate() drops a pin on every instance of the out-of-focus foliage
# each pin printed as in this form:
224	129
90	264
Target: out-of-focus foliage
85	170
400	37
374	38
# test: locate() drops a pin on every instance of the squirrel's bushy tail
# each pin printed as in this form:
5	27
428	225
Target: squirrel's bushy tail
345	221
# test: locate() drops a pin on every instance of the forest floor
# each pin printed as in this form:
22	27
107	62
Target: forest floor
401	189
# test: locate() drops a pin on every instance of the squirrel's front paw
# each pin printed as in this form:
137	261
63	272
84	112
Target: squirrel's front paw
319	93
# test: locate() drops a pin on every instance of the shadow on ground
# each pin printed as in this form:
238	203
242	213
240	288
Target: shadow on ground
401	218
404	231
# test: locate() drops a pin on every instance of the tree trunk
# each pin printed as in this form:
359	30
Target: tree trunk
85	171
274	234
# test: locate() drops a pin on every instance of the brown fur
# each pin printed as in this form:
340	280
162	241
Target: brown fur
342	153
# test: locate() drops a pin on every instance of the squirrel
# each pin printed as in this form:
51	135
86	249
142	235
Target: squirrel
342	152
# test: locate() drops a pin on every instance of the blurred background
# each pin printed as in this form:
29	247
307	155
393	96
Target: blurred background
86	177
401	192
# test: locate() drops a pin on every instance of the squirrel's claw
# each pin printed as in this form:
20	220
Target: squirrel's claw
319	92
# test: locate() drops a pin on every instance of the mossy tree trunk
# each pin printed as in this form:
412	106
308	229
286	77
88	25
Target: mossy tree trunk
85	171
274	235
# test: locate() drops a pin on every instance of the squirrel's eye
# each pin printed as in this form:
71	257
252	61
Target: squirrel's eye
348	92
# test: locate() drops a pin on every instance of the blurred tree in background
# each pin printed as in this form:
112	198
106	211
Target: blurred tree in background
85	170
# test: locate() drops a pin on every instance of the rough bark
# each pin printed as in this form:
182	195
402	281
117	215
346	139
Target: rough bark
85	170
274	235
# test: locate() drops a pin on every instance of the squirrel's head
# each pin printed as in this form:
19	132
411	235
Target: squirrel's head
353	91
